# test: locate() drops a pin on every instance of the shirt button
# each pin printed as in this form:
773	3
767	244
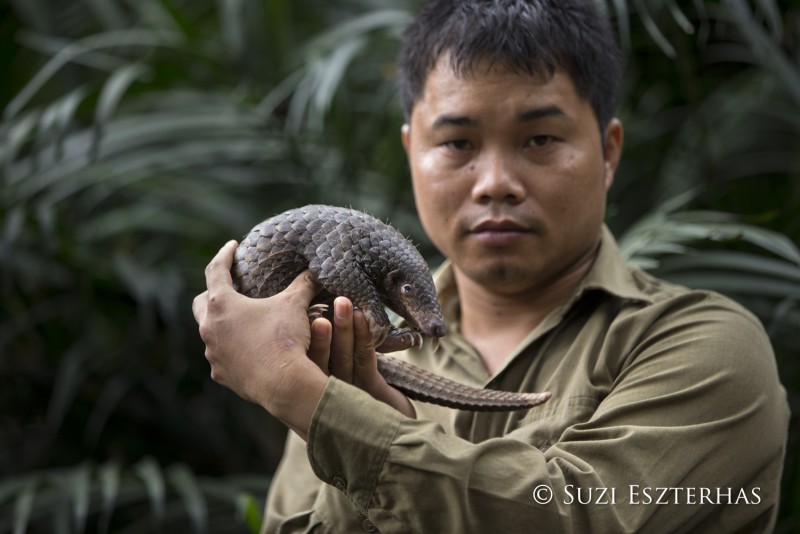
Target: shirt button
368	526
339	482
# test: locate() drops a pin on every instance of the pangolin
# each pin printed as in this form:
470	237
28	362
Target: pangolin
352	254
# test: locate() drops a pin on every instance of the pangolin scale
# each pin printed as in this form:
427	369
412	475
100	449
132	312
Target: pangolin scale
357	256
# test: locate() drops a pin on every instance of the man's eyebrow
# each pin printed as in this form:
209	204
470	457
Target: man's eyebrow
453	120
534	114
529	115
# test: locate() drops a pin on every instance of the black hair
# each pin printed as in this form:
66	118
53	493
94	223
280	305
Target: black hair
527	36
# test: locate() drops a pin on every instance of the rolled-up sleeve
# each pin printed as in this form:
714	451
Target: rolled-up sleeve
349	440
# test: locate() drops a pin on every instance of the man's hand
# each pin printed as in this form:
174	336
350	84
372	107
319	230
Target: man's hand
257	347
345	350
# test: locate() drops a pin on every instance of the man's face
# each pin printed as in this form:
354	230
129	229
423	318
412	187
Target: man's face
510	173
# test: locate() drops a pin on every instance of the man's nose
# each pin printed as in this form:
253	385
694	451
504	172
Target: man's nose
497	181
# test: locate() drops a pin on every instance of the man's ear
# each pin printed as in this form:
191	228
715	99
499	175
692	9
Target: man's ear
612	149
405	134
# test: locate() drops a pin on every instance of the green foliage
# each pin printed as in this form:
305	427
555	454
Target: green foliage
138	136
144	498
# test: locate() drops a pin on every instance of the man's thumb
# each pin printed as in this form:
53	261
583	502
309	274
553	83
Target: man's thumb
304	287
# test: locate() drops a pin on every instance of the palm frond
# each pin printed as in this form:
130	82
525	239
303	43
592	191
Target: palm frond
142	497
670	231
137	136
327	57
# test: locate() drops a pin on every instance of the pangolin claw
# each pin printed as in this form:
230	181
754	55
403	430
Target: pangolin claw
409	338
316	311
414	339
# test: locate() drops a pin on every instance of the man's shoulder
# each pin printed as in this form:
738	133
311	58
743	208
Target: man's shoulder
663	293
713	327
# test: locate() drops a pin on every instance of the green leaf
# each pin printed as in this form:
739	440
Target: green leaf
249	510
12	486
680	17
80	483
316	92
74	368
233	31
61	513
109	476
34	12
665	231
150	473
623	23
18	134
327	57
118	38
738	283
107	13
185	483
765	48
12	230
110	96
49	45
114	390
389	19
773	14
153	14
720	226
733	261
786	312
653	29
66	109
47	125
24	506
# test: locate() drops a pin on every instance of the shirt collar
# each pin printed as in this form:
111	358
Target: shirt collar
610	274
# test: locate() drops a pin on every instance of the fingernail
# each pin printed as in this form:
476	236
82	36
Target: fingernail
340	309
319	331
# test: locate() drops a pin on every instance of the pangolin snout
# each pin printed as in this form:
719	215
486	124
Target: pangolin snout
434	328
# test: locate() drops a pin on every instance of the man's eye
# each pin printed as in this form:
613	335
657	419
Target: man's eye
540	140
458	144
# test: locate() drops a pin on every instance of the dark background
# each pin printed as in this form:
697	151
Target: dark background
138	136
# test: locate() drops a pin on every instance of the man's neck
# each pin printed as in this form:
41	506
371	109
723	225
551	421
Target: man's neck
495	323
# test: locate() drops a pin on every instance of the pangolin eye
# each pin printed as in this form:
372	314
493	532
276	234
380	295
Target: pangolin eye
408	289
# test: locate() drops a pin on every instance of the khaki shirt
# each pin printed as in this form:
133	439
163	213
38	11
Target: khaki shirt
667	415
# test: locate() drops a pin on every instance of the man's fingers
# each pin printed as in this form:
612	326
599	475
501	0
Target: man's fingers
364	361
218	271
320	349
341	362
365	371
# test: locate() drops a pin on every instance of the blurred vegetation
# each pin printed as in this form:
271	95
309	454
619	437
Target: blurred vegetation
139	135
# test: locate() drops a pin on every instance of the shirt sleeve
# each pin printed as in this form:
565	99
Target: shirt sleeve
695	406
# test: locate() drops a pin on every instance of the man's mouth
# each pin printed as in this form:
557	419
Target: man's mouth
499	232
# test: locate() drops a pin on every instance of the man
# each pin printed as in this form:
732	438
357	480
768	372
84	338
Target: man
666	412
